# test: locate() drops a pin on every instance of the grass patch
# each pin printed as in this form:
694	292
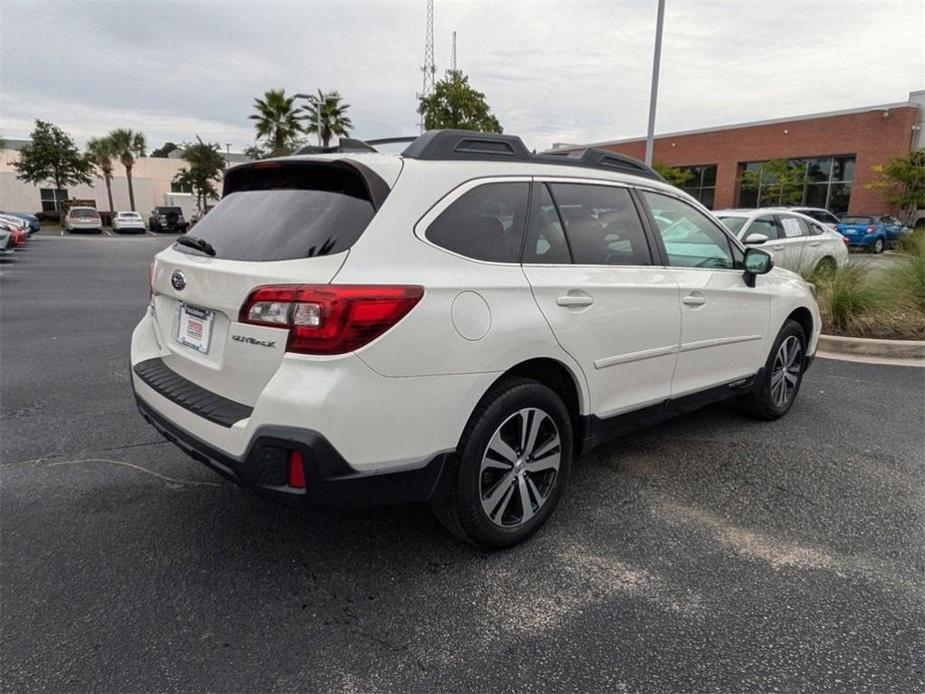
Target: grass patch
857	303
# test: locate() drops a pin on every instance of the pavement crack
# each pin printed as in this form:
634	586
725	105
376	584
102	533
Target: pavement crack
172	480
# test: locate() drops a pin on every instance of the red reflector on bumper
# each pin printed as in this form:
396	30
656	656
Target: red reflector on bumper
296	470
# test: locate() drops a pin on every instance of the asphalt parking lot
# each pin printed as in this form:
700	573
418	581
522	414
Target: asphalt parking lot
712	553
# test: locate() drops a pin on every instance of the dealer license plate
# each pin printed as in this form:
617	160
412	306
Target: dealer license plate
195	327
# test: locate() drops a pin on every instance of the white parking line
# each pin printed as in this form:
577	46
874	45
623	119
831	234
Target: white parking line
108	233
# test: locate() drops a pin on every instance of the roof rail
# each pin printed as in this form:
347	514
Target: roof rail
467	145
345	144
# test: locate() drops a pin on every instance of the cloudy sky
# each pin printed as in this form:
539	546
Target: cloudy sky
551	71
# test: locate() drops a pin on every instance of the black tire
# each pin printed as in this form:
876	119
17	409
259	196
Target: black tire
461	510
761	402
878	246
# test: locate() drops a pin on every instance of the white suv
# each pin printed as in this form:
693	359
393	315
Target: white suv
454	325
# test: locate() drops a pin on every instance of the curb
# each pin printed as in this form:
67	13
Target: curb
870	347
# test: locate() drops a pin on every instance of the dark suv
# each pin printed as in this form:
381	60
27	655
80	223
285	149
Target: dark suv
167	219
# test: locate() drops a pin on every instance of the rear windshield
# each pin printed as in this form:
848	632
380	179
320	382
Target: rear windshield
84	213
292	212
734	224
168	210
857	220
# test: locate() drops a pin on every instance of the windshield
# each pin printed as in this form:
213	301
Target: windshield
294	213
129	215
734	224
857	220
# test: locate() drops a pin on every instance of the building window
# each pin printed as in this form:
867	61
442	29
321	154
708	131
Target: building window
815	182
52	198
176	187
701	184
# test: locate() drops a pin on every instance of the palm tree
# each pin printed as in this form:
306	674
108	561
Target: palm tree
277	121
334	119
100	151
127	145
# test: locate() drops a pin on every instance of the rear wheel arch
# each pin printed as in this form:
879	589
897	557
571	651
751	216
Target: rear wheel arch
556	376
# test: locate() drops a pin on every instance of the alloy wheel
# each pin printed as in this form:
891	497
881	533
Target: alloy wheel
785	374
519	467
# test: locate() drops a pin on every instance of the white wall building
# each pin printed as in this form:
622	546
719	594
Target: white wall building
152	179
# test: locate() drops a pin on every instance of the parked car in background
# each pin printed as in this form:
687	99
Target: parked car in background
830	219
797	241
33	225
6	242
128	221
167	219
454	325
917	219
17	227
18	236
873	233
82	219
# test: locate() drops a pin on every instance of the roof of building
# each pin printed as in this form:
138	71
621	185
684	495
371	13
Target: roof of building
912	102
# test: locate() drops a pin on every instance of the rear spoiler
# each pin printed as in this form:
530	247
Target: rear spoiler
238	177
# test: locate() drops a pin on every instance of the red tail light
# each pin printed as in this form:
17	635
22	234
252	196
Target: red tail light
329	318
871	229
296	470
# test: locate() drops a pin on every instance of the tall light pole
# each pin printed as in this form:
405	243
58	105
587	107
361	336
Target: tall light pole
309	98
653	97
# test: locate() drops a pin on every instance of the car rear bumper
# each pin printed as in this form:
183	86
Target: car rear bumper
329	479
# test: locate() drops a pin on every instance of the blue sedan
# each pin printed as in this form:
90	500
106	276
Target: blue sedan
873	233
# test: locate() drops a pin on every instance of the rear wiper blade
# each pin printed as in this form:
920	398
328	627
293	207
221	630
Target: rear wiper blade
197	243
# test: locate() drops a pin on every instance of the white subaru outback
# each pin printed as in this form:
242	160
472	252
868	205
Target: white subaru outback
454	325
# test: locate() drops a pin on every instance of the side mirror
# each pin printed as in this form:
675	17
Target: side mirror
755	239
757	262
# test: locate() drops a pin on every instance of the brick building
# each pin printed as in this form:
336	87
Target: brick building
836	151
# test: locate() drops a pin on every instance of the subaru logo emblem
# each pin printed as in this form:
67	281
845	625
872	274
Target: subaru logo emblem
178	280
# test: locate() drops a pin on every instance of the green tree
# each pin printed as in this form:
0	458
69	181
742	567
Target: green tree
128	145
333	119
52	156
455	104
780	182
902	182
100	152
206	165
163	151
674	175
277	121
255	152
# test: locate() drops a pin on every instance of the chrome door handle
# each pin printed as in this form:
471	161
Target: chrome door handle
694	300
574	300
814	243
777	248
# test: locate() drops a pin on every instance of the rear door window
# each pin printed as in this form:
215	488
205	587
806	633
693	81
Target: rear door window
485	223
546	242
793	227
288	212
601	224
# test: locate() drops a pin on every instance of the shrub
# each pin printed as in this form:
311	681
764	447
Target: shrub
907	280
845	295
